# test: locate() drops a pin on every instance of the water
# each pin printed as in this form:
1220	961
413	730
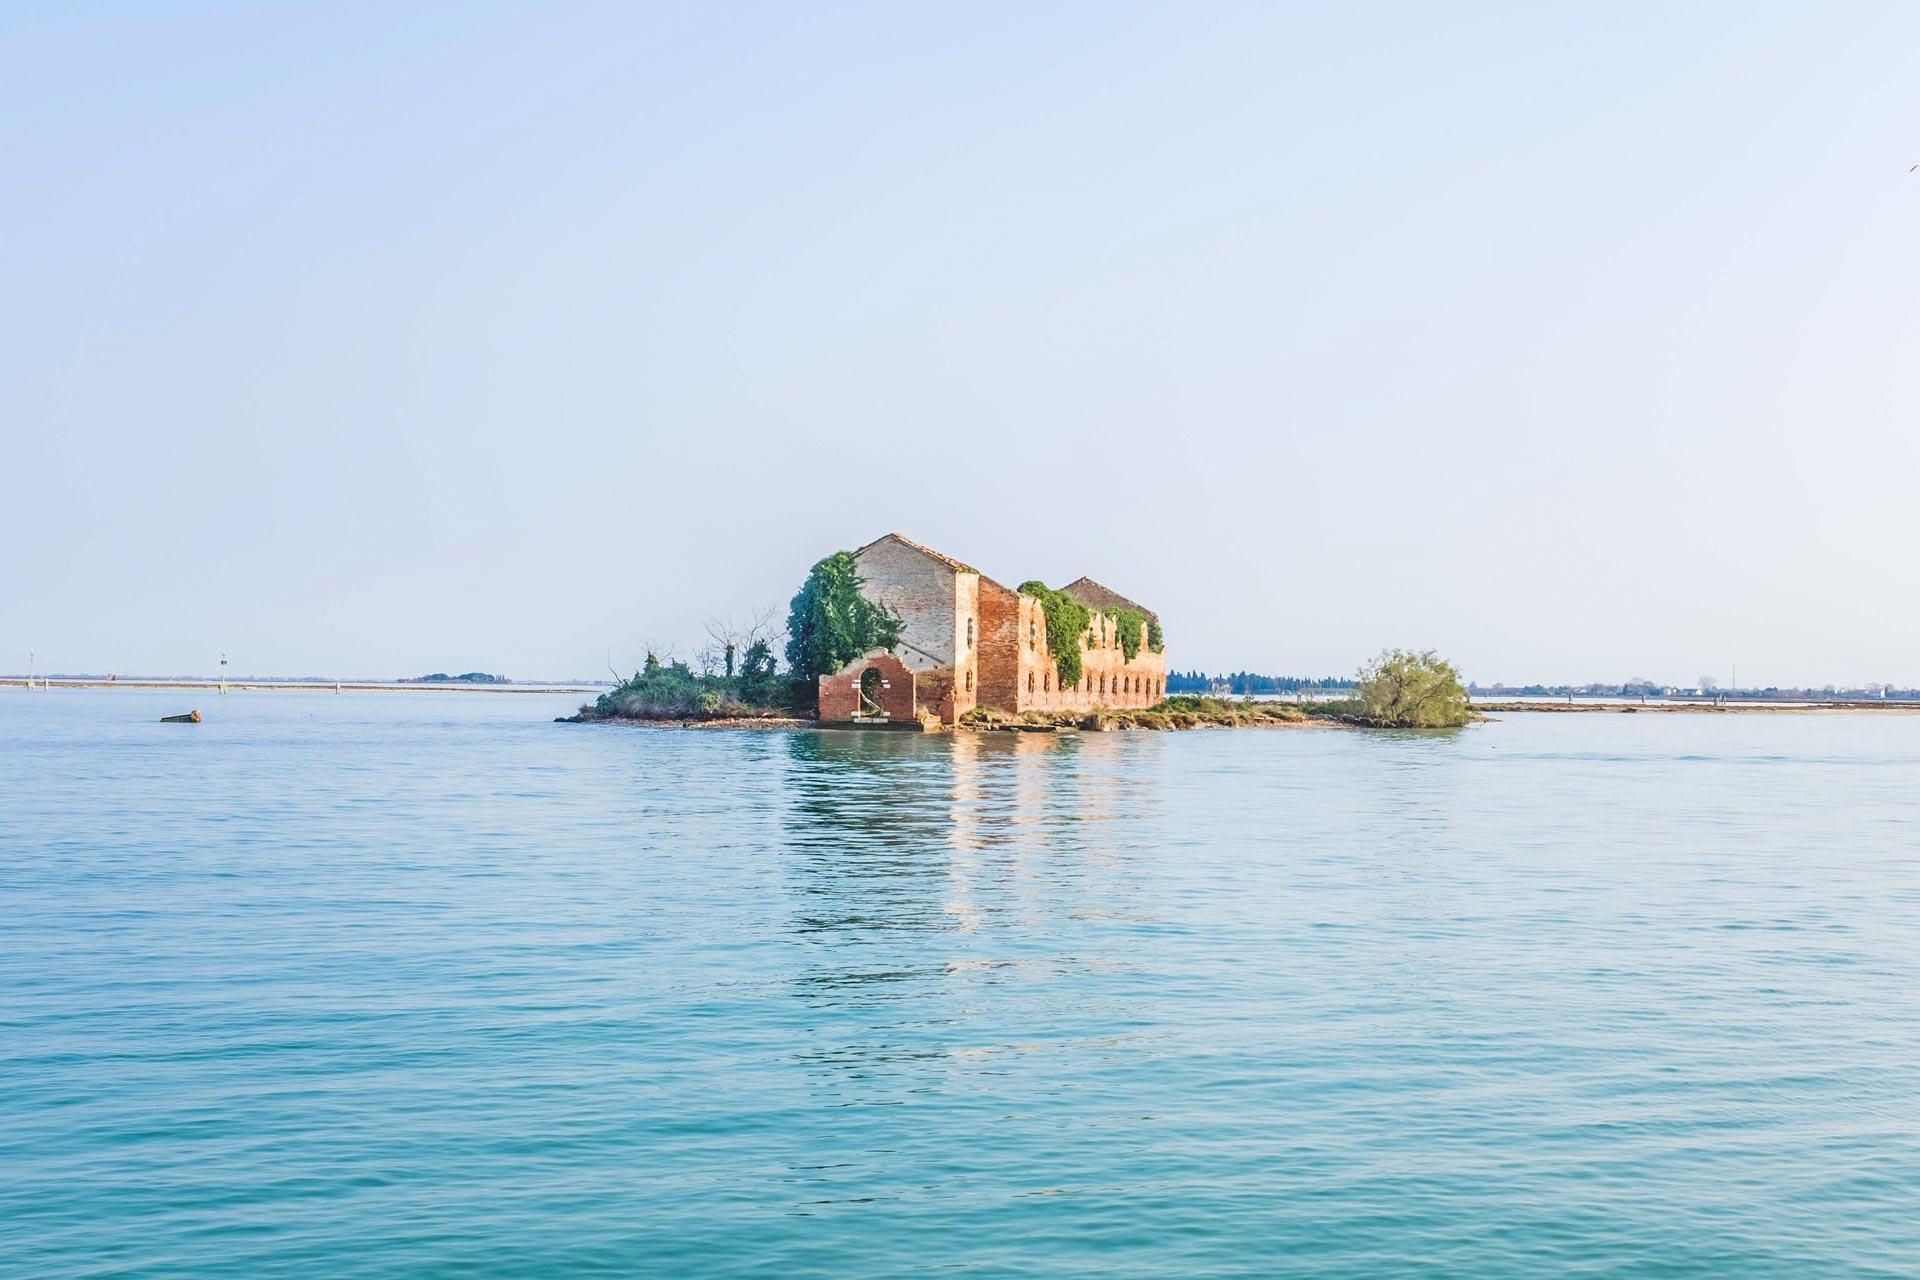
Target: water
423	984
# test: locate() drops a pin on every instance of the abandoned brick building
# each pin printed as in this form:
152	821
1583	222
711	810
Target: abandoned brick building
970	641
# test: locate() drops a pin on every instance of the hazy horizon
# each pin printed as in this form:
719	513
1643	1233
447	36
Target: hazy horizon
1569	343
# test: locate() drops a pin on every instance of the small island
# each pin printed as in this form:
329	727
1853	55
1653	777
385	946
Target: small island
895	635
441	677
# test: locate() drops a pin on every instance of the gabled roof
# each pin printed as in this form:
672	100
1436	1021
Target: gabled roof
928	552
1094	596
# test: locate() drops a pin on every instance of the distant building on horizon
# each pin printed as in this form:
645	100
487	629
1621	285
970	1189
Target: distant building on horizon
970	641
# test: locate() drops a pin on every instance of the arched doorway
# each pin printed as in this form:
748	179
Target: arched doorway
877	688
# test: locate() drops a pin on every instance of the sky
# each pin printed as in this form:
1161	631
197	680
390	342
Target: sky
1574	342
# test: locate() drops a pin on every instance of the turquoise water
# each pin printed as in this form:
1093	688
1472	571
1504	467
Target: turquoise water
423	984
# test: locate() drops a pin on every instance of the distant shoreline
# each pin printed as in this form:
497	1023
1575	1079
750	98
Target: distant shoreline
323	686
1689	708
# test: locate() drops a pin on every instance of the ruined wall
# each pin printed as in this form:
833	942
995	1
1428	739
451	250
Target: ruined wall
966	637
1107	678
840	692
1001	655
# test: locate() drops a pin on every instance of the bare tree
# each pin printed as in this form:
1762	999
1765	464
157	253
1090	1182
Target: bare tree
649	653
728	639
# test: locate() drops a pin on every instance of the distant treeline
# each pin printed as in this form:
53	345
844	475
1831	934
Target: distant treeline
1705	689
1246	682
468	677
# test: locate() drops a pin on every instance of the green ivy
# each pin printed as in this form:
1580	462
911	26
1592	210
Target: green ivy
1067	623
831	622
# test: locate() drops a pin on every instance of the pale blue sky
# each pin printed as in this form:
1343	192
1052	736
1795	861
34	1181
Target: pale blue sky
1576	341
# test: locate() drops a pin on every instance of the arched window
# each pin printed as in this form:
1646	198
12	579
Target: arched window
1103	684
969	633
1046	682
1029	682
1033	634
969	679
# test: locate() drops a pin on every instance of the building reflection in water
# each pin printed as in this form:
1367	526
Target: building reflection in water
954	892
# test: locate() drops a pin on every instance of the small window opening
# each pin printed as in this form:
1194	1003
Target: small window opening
969	679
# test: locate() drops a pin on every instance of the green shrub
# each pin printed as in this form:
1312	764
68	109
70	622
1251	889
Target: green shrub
674	691
1067	623
1406	690
759	681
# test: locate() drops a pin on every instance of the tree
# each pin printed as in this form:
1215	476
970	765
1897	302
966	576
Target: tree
1402	689
758	680
831	623
727	640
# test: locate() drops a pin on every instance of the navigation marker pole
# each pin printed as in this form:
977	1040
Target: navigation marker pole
223	671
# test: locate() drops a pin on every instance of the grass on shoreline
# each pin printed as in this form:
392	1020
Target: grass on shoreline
1183	711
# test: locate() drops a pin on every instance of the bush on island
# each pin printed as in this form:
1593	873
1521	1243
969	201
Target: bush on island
675	691
1402	689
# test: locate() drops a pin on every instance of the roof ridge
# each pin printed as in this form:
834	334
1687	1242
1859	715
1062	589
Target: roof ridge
909	543
1089	586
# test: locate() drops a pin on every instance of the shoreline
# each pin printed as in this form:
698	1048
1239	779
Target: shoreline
1691	708
286	686
788	723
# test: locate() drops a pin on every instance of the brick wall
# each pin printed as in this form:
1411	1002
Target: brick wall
1001	656
924	592
840	692
1107	678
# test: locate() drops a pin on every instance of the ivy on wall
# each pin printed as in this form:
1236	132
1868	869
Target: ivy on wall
1067	623
1128	628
